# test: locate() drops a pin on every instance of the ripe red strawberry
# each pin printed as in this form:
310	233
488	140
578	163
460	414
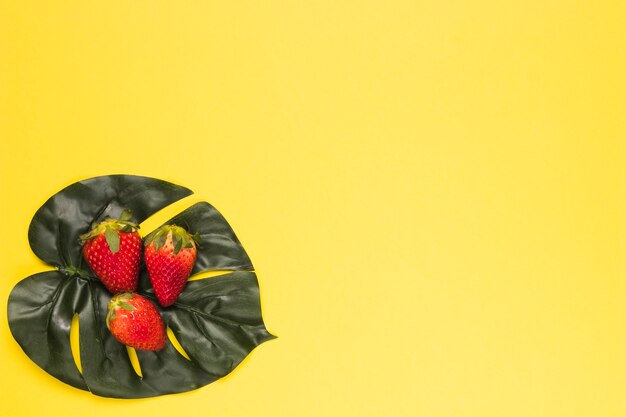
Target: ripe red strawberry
134	321
170	253
113	251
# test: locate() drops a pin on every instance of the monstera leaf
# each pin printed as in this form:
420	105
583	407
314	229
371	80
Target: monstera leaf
216	320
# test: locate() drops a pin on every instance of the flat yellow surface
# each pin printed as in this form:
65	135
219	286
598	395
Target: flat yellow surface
432	192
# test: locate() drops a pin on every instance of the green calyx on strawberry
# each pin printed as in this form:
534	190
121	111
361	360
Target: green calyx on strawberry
170	253
109	227
112	249
134	321
179	236
119	300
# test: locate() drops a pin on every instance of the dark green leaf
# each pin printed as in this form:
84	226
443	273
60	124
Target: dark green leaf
47	342
217	320
55	228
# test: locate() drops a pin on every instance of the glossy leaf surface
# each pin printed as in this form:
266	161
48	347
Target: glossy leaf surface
216	320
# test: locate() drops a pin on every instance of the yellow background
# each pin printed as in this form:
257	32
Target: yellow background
432	192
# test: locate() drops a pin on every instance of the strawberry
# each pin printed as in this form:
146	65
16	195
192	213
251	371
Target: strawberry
170	253
113	251
134	321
